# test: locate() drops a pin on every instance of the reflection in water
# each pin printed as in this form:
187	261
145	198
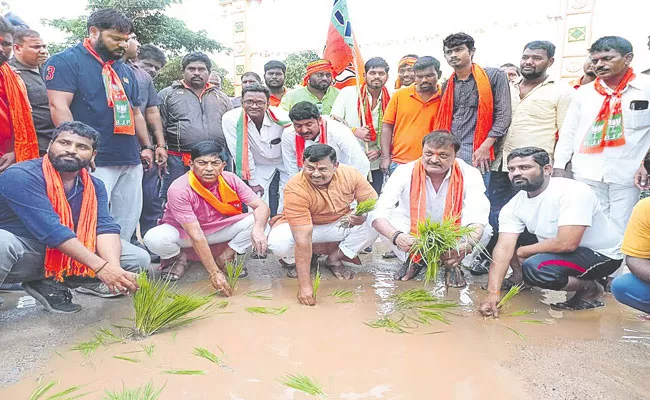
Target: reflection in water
384	286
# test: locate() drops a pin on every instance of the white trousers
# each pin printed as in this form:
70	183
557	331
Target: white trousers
164	240
401	223
124	190
352	241
265	174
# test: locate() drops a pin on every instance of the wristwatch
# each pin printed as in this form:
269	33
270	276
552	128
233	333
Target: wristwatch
147	148
164	146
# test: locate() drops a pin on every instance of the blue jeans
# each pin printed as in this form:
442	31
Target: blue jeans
632	291
175	169
152	204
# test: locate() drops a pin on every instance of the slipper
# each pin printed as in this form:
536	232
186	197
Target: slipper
174	270
577	305
388	255
257	256
455	277
244	273
417	268
292	272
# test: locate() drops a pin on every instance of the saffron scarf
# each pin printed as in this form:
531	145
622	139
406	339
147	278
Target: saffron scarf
485	108
364	107
115	95
20	112
318	66
58	264
404	61
229	205
418	197
607	130
241	156
300	142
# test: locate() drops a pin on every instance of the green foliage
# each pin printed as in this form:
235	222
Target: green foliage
302	383
172	72
103	337
297	66
514	290
234	269
184	372
157	306
316	283
151	24
267	310
208	355
257	294
147	392
365	207
124	358
42	390
343	296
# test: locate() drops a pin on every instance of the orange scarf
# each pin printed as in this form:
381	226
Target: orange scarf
364	107
404	61
123	119
20	112
229	205
607	130
58	264
485	108
453	201
318	66
300	142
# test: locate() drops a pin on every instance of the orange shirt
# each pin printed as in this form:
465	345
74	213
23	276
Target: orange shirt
306	204
275	101
412	119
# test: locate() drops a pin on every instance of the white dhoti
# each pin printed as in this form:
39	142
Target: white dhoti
352	241
264	176
165	241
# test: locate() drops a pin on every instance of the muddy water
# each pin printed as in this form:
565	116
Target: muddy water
331	344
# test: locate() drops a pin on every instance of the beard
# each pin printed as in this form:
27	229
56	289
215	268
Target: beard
274	84
529	185
103	51
62	165
532	75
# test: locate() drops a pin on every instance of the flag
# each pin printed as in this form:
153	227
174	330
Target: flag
341	48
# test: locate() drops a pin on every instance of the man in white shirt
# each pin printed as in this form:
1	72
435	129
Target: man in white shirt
253	135
437	186
576	243
363	110
606	132
310	127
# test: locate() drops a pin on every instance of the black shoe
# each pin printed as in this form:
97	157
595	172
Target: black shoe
55	300
479	267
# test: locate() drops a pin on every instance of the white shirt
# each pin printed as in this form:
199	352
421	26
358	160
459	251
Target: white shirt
564	202
476	207
614	164
260	150
339	136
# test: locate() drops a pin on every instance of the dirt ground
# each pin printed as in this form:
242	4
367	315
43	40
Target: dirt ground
597	354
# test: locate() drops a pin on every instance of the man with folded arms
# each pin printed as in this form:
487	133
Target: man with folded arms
204	213
55	226
437	186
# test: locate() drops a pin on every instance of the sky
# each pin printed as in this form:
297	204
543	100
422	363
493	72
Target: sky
387	28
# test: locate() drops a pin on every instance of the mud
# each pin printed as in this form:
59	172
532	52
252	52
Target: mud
597	354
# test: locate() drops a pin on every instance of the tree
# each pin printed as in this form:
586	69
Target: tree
297	66
151	26
172	72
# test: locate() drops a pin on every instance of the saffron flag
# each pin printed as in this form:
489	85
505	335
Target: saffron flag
341	48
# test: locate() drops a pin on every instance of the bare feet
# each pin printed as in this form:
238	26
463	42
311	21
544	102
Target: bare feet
335	265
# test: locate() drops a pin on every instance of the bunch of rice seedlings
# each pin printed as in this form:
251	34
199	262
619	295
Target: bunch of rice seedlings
343	296
433	239
102	337
208	355
316	283
363	208
267	310
184	372
234	268
42	389
157	306
514	290
146	392
257	294
302	383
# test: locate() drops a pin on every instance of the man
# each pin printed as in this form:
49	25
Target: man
274	76
215	79
309	127
512	72
55	226
317	88
539	105
18	140
436	186
315	200
475	104
191	111
405	73
410	116
606	132
254	135
30	53
574	243
633	289
204	213
588	77
89	83
150	59
364	113
149	102
249	78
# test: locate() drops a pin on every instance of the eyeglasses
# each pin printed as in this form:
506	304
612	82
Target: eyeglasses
258	103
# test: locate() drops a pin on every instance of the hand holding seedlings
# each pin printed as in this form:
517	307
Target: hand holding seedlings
219	282
488	306
117	279
356	220
306	295
405	242
259	241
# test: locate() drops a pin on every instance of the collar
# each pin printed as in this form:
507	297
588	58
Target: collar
22	67
182	83
546	81
414	93
283	93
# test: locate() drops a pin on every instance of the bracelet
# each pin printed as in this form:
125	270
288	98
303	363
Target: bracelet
147	148
101	268
353	129
497	292
395	235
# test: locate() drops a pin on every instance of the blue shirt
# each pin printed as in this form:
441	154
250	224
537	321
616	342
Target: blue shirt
148	97
26	211
76	71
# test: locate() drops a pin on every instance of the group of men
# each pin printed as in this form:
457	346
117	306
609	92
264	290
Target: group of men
207	177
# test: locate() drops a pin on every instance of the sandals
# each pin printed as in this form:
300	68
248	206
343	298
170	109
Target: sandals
577	305
455	277
417	268
174	268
